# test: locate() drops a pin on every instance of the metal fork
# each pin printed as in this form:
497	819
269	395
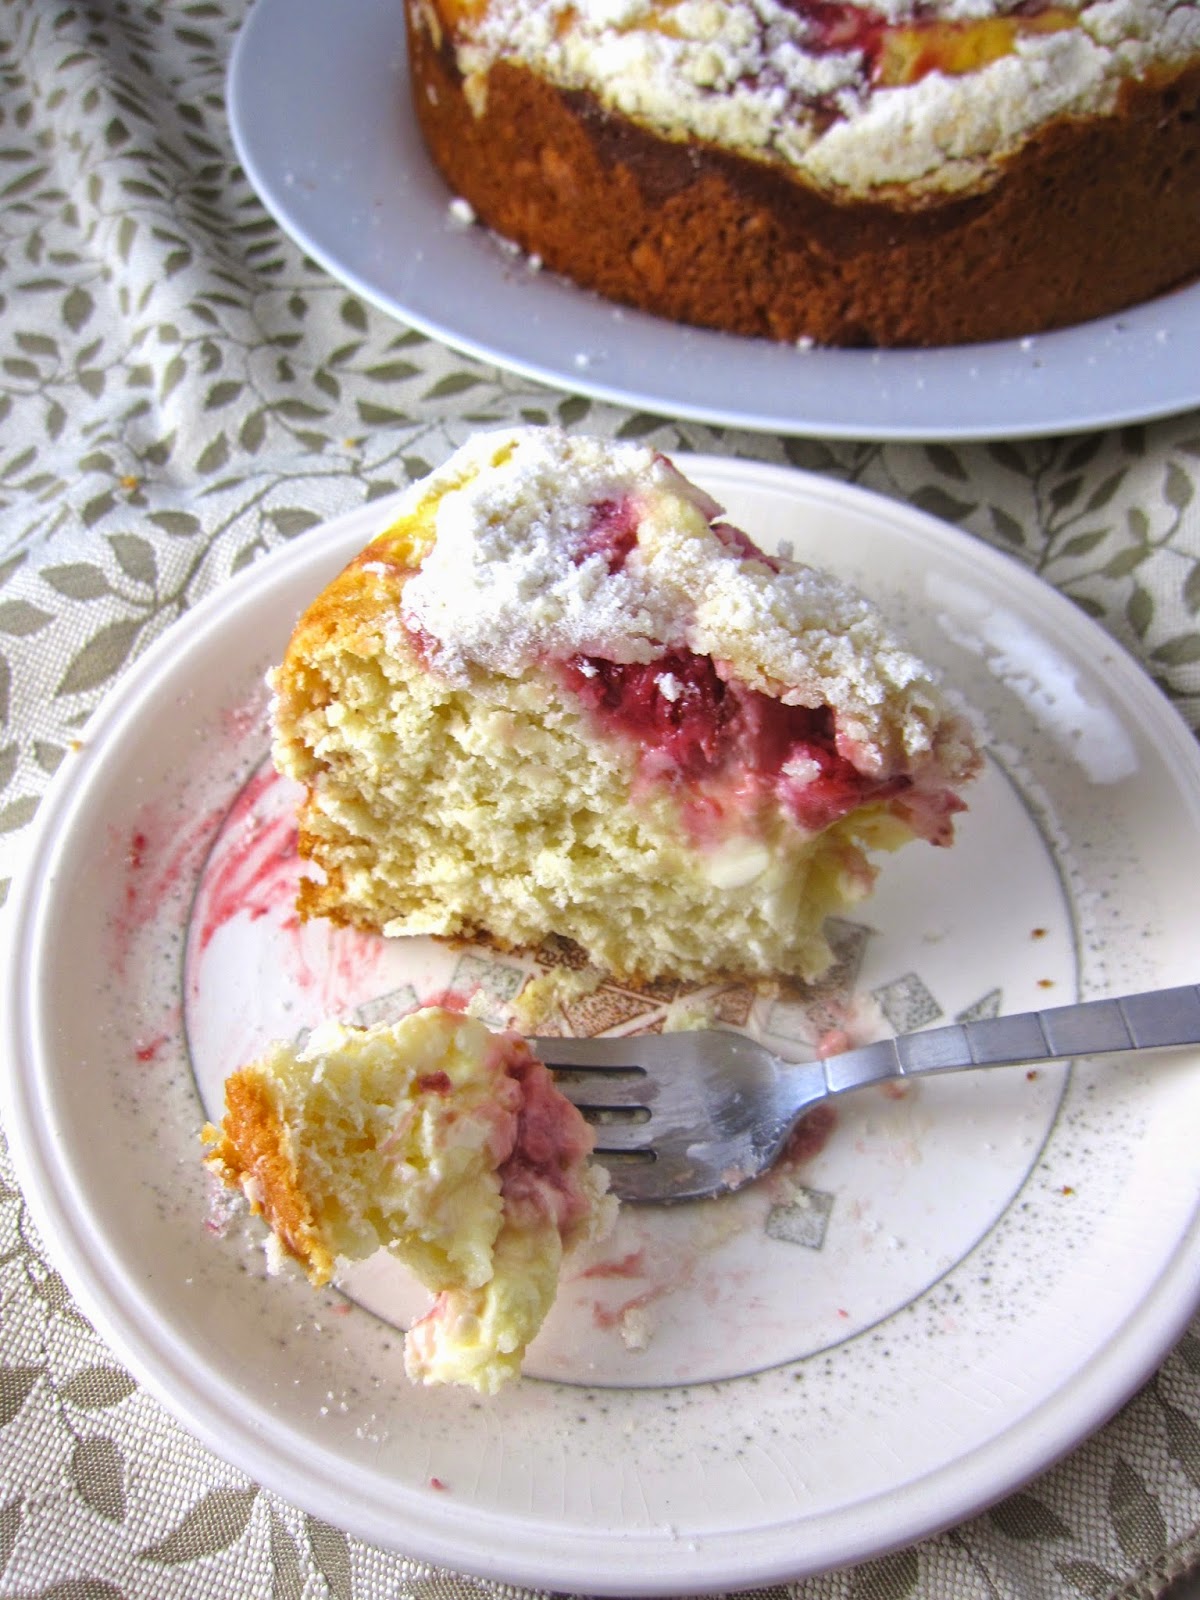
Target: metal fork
685	1116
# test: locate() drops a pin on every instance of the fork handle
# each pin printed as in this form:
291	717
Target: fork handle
1159	1019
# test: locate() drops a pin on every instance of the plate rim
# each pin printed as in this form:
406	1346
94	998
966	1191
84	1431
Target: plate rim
1012	1456
872	415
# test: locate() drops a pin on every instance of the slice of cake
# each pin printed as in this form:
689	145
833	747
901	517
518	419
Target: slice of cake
561	696
434	1139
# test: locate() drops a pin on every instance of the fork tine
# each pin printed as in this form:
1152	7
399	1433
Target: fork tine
642	1181
605	1091
622	1138
581	1054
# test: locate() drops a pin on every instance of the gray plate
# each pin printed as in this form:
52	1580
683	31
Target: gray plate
320	113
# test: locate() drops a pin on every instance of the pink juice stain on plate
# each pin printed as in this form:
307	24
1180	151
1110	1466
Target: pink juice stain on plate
255	869
253	875
160	862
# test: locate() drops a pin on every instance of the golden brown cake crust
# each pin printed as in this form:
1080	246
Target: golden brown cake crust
252	1143
1092	216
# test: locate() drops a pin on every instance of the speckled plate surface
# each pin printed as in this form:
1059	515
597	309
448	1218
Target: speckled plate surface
941	1293
319	109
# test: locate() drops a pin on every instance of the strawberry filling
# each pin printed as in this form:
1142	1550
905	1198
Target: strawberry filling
835	26
905	52
612	532
543	1174
743	545
695	727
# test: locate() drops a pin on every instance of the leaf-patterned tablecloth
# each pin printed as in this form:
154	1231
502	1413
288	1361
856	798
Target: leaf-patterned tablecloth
181	392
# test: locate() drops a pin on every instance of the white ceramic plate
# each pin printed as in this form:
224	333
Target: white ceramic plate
949	1289
319	108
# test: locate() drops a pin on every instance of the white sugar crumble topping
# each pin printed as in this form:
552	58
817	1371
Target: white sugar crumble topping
753	76
507	583
523	570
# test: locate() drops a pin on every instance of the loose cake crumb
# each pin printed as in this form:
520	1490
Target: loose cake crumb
549	992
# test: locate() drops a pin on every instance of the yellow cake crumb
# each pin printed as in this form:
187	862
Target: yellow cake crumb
547	993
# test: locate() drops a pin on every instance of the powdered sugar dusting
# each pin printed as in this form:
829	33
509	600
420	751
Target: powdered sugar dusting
517	576
512	577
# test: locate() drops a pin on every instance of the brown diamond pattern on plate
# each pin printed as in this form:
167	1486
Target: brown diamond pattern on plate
827	1012
733	1005
606	1009
656	1026
660	990
559	952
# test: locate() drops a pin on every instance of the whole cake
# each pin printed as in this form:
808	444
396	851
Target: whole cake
561	696
904	172
434	1139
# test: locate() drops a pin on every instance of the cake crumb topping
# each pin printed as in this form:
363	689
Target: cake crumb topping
552	547
857	97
